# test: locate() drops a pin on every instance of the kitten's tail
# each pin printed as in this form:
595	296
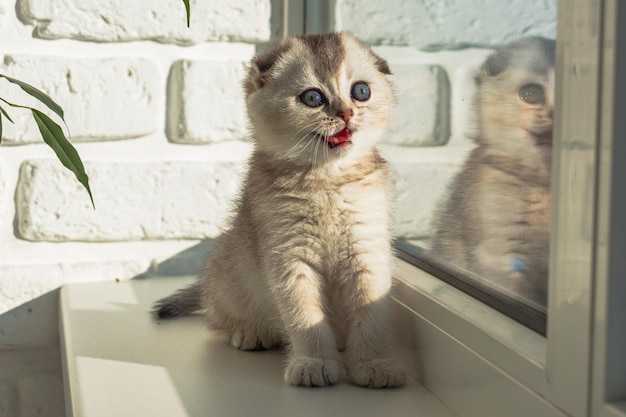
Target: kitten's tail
183	302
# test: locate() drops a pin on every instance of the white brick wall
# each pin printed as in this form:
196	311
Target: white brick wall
3	20
103	99
420	177
134	200
422	115
206	102
162	132
163	21
435	24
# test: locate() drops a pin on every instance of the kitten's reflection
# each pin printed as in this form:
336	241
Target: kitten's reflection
494	219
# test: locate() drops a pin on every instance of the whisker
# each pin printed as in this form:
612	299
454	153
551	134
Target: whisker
312	131
326	152
309	126
316	135
311	140
316	151
303	148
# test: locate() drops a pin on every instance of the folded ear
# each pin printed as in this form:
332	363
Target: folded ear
262	65
497	62
493	65
382	65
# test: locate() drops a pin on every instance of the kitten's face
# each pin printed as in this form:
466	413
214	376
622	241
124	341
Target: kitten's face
516	101
318	99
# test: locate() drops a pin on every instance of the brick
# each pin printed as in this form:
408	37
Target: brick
163	20
3	189
41	395
433	24
206	102
135	200
102	98
4	6
422	112
419	179
464	87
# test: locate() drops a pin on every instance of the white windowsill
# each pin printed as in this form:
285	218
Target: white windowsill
119	362
507	344
477	361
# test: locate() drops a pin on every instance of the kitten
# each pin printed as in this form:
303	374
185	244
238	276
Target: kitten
306	263
495	218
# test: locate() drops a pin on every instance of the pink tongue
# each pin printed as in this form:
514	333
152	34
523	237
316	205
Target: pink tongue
341	137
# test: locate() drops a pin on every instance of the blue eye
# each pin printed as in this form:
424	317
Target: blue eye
312	98
360	91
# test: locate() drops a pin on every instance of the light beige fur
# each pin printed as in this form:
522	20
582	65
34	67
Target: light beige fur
495	219
306	263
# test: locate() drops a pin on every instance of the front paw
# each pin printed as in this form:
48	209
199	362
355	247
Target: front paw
377	373
304	371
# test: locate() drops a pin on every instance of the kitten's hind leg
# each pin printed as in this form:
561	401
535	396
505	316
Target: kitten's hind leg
241	322
244	338
313	356
183	302
367	342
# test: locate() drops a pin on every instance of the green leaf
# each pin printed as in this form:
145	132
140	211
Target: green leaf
6	115
39	95
55	138
188	10
3	112
53	135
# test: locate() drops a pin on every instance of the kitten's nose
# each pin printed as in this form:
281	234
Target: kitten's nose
345	114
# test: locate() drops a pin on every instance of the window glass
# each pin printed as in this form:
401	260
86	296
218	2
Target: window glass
471	141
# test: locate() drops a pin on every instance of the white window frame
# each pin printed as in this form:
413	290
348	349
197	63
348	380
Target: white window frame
296	17
481	363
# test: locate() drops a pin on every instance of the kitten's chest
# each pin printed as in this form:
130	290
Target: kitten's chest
537	207
515	199
341	213
353	221
324	216
328	220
